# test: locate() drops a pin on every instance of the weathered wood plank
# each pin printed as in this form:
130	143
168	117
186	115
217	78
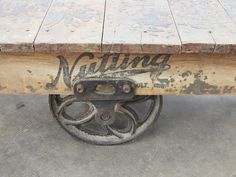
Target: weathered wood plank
204	26
72	26
19	23
132	26
153	74
138	26
230	8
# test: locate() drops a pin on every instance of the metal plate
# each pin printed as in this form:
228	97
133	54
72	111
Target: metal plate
104	89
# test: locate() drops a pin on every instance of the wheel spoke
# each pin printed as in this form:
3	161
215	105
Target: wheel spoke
132	116
121	134
128	111
67	119
66	102
89	121
84	119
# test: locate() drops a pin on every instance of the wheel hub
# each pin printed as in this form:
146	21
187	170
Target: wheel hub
105	118
111	117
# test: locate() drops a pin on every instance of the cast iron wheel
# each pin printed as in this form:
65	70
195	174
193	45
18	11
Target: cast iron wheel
84	121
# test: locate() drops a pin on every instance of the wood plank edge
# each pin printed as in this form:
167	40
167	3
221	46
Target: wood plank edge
67	48
141	48
14	48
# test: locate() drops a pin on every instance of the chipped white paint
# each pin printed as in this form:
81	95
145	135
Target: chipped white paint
72	26
204	26
19	23
139	26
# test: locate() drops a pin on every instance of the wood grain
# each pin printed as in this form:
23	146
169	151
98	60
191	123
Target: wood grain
131	26
230	8
204	26
180	74
138	26
72	26
19	23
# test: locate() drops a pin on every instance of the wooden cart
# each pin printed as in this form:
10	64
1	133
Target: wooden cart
109	55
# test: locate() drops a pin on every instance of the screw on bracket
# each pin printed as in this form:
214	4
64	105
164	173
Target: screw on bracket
126	88
80	88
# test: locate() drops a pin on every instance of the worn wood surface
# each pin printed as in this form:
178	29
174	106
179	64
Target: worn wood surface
230	7
133	26
153	74
204	26
139	26
72	26
20	21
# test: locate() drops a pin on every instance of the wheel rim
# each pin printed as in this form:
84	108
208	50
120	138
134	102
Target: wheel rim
124	125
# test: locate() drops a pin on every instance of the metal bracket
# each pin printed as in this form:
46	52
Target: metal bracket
102	89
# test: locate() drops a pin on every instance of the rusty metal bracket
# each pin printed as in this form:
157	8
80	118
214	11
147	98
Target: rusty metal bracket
102	89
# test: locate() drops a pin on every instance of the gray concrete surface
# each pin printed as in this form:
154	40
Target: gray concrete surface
194	137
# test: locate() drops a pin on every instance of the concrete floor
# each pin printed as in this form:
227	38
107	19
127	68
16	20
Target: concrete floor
194	137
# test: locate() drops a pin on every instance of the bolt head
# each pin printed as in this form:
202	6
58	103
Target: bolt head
80	88
126	88
105	116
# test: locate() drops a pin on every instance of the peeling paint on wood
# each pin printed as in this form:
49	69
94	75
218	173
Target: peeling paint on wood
160	74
